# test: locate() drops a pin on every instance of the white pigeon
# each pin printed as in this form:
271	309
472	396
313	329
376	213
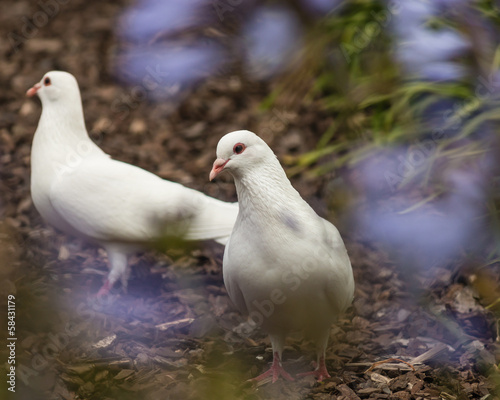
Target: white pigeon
284	266
79	189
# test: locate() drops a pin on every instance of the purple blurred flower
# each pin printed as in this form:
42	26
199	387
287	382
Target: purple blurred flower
409	15
148	18
432	233
163	68
157	58
442	71
272	37
435	45
425	52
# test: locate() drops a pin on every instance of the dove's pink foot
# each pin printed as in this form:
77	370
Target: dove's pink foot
104	290
320	372
275	371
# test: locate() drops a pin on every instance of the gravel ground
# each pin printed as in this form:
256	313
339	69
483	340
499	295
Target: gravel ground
173	335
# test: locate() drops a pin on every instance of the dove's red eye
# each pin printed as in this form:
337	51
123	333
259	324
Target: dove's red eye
46	81
239	148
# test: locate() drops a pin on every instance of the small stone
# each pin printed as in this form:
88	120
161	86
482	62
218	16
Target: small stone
101	125
27	108
63	253
401	395
51	46
142	358
138	127
195	131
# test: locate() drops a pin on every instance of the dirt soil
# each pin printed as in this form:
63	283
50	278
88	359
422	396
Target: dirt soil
174	334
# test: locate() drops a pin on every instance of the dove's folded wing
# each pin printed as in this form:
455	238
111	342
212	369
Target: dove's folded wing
338	272
213	219
108	200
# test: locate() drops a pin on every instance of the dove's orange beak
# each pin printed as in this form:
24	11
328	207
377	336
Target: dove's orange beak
31	92
218	167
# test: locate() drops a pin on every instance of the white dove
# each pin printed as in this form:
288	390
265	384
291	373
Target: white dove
284	266
79	189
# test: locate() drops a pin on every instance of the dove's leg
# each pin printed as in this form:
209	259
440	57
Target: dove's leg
119	269
125	275
276	369
320	371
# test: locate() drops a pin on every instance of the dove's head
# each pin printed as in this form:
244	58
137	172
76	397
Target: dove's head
239	151
56	86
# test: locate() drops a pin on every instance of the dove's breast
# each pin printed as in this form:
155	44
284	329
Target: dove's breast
43	175
284	280
51	160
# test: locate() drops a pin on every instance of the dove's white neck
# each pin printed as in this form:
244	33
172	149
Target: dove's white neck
60	144
265	190
62	123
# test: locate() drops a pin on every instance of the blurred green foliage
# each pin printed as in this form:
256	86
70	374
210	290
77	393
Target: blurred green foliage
353	72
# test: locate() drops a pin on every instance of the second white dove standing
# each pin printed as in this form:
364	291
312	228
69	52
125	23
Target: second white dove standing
79	189
284	266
